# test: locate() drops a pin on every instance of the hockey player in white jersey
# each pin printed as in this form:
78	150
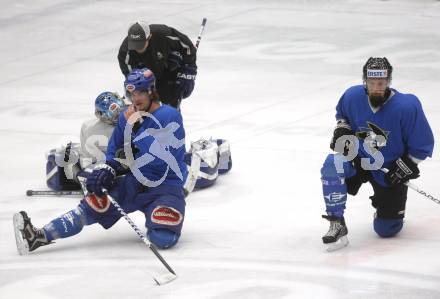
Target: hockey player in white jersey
96	132
64	165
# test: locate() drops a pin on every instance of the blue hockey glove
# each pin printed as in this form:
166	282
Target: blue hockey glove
102	177
185	80
402	170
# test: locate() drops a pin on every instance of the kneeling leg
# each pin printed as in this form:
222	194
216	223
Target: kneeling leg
387	228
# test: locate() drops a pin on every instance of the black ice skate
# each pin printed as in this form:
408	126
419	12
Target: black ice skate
336	237
27	237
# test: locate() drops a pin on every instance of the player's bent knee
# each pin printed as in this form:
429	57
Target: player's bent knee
335	165
163	238
387	228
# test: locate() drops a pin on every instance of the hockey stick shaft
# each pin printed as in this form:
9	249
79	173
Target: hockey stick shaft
199	38
52	193
417	189
420	191
140	234
202	27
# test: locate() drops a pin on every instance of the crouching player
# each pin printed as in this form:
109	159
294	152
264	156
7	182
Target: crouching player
152	136
377	127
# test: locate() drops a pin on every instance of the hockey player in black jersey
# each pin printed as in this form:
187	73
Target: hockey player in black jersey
167	52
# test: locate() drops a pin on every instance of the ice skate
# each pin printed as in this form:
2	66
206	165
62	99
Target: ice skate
336	237
27	237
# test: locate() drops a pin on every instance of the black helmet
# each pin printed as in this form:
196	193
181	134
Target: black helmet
377	67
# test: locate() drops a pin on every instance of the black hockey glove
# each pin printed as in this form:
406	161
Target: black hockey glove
401	171
342	129
185	80
102	177
175	61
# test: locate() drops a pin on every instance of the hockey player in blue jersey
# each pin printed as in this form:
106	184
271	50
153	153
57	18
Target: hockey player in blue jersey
151	185
377	128
67	166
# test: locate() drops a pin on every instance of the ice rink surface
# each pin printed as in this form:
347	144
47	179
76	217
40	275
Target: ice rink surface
270	74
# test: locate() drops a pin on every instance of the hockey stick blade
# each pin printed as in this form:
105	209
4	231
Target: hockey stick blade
164	278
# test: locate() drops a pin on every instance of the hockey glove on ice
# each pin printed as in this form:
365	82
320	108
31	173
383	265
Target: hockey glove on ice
102	177
342	129
185	80
402	170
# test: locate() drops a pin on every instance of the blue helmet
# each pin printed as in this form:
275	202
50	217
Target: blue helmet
140	79
108	105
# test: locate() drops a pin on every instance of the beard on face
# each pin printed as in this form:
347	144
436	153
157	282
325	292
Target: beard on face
377	100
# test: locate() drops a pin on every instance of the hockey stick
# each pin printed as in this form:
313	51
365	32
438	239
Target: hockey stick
53	193
161	279
202	27
417	189
199	38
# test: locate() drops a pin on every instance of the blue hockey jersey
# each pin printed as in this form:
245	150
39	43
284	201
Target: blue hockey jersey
158	147
400	121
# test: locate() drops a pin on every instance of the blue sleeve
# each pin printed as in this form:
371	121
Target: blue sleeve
117	139
417	133
340	108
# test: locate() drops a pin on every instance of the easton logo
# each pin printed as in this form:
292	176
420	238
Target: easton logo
135	36
373	135
186	76
335	196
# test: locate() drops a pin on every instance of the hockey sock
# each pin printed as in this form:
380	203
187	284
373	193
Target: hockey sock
333	187
67	225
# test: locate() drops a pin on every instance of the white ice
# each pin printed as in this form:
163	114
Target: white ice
270	74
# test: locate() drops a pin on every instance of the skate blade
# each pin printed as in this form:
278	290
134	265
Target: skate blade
341	243
22	244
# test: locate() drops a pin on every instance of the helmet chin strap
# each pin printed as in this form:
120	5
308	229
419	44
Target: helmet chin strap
149	106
